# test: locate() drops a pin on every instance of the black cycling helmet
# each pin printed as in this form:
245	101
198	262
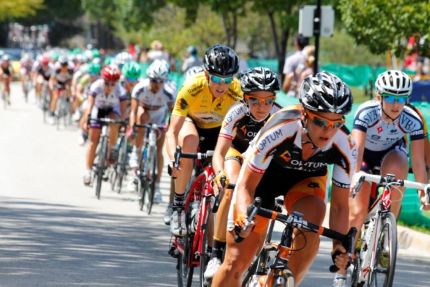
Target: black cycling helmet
221	60
325	92
259	79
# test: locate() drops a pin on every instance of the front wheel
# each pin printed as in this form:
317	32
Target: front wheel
184	267
100	166
152	177
386	253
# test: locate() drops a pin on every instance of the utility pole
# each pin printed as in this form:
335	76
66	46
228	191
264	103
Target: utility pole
317	33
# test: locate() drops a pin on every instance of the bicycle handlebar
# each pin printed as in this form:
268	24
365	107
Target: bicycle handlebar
108	121
360	177
151	126
296	220
199	155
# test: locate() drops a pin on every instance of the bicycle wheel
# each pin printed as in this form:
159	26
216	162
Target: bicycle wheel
386	253
204	256
120	168
151	177
143	178
100	166
184	268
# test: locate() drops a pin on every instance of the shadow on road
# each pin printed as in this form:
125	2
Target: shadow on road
60	245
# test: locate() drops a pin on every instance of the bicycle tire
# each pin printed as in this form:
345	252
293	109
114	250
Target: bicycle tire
152	177
122	158
185	270
388	232
100	167
204	258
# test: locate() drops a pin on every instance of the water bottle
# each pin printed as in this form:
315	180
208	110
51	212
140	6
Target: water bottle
195	205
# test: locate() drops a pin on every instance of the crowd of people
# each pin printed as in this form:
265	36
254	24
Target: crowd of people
264	149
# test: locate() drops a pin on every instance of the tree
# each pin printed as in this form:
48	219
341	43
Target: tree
18	8
386	25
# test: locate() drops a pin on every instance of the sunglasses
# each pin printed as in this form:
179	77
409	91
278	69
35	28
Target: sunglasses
323	122
257	101
157	81
221	80
391	99
110	84
131	80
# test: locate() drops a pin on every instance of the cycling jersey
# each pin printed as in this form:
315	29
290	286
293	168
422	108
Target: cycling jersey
103	101
240	127
196	102
63	78
7	70
154	101
45	73
381	135
279	143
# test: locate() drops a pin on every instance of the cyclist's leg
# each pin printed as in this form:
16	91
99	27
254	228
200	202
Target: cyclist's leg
239	256
160	157
188	139
307	197
396	162
113	133
94	137
232	168
54	99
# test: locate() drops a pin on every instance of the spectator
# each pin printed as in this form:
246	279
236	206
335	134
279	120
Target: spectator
307	68
291	78
420	74
191	60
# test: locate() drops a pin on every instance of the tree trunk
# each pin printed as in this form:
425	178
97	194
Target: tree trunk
281	58
234	28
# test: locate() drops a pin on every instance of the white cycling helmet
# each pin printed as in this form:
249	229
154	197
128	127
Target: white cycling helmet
123	58
193	70
394	82
159	69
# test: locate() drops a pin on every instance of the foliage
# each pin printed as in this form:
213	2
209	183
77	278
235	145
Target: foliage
19	8
386	25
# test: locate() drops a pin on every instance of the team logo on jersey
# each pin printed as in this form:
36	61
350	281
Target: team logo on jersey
182	104
379	129
286	156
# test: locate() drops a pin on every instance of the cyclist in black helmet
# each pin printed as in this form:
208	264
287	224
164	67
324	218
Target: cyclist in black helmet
240	126
200	107
290	157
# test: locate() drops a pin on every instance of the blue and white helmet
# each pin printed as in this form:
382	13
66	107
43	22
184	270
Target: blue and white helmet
159	69
394	82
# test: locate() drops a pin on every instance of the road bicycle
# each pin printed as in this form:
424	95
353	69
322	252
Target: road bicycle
191	249
119	172
277	273
100	163
62	110
147	172
375	262
44	100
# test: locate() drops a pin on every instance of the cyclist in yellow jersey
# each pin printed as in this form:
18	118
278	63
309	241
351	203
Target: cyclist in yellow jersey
199	109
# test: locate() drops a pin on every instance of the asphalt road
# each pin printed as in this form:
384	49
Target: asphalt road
54	232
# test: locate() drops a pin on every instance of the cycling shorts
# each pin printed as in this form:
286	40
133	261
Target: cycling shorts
372	159
97	113
207	137
292	184
234	154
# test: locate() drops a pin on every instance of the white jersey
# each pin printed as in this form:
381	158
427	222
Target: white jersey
153	101
103	101
381	135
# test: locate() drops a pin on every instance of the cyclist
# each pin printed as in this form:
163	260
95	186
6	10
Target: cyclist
379	129
199	110
82	91
103	101
42	73
60	80
152	100
130	75
290	157
6	73
240	126
25	66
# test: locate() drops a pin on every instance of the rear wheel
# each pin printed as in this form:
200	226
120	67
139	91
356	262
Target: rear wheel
386	254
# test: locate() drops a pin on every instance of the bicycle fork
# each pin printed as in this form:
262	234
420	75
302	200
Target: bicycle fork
370	242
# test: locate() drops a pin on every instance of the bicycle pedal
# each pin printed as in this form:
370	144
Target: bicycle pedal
173	252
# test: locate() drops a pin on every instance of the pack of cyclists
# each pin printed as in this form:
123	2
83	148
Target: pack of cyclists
263	149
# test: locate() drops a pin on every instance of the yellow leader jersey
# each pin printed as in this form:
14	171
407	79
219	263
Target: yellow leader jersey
195	101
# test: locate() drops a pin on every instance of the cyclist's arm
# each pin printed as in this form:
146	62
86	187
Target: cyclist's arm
339	209
359	138
246	185
175	125
221	149
52	82
90	105
133	111
123	108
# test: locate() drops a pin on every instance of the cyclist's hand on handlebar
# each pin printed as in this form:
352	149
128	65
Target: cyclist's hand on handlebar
172	170
425	205
242	226
221	180
340	256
